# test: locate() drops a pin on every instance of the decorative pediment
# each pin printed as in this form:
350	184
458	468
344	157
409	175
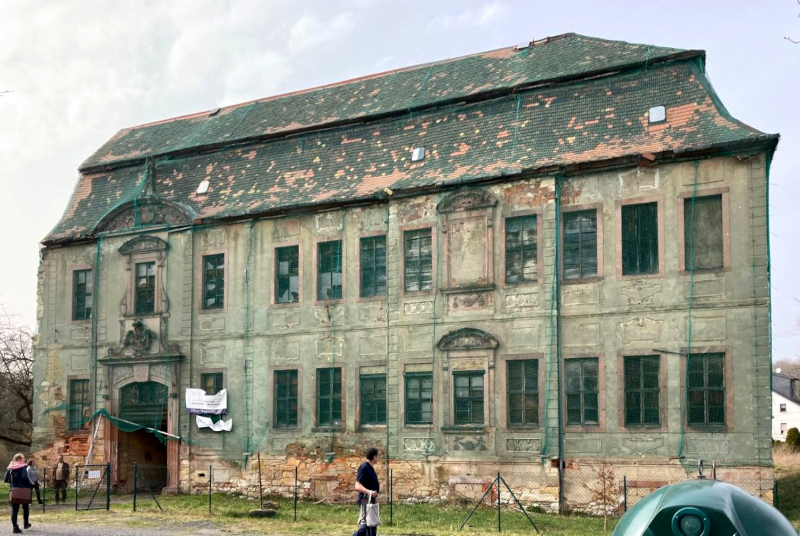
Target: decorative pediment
466	199
145	212
467	339
137	341
142	244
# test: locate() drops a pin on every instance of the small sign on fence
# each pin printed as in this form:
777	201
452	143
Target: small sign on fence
94	474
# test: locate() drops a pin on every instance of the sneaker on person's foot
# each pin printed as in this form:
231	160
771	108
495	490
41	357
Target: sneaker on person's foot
17	530
28	525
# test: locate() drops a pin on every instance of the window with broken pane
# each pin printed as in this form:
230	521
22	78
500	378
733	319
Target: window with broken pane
468	397
582	391
287	274
418	260
211	382
145	294
521	250
522	391
329	270
373	266
419	398
706	386
702	227
640	239
82	295
373	398
580	244
213	281
285	398
642	390
329	396
79	403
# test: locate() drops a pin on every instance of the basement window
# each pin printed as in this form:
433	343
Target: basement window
657	114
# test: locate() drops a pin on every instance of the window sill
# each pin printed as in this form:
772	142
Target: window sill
512	429
463	290
706	271
216	311
465	429
286	305
382	297
371	428
328	429
583	281
532	283
708	428
286	429
420	426
415	293
329	302
629	277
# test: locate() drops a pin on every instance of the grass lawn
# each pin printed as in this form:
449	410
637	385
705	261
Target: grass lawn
189	513
787	475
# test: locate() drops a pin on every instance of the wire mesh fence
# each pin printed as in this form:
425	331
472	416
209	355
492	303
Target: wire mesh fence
92	487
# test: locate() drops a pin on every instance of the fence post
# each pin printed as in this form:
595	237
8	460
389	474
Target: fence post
260	486
77	489
295	493
775	501
135	476
108	486
391	497
44	489
210	478
625	493
499	525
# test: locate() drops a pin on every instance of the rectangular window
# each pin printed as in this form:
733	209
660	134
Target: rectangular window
640	239
642	390
580	244
468	397
287	274
211	382
783	428
145	288
373	399
783	407
582	391
214	281
418	260
285	398
329	270
79	403
329	396
419	398
522	388
706	389
703	233
373	266
521	250
81	294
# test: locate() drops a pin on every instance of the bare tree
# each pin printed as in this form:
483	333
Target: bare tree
16	381
788	367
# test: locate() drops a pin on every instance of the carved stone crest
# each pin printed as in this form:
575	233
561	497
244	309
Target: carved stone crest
467	338
466	199
145	212
138	340
469	443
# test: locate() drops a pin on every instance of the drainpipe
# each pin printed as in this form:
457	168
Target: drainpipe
559	373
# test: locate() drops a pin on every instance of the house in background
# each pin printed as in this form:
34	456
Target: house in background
785	404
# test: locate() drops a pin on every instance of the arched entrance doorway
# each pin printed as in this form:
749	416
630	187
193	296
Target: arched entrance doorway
146	405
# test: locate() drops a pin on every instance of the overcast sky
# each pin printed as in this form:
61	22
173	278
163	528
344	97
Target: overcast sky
79	71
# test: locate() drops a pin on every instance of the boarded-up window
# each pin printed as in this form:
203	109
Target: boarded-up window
580	244
521	250
213	281
522	388
287	274
582	391
468	397
285	398
702	227
419	398
329	396
329	270
82	295
373	399
145	296
706	389
642	391
640	239
418	260
373	266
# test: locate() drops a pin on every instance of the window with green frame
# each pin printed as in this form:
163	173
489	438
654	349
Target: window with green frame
329	270
285	398
211	382
373	266
79	403
521	250
287	274
522	390
418	265
214	281
702	227
640	239
706	389
419	398
82	295
582	391
373	398
329	396
468	397
145	297
642	390
580	244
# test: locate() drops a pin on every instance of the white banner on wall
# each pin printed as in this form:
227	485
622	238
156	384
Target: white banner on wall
219	426
199	403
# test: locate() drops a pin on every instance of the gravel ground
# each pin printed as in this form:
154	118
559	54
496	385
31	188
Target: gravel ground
199	527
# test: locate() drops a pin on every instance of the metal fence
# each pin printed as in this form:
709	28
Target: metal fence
93	487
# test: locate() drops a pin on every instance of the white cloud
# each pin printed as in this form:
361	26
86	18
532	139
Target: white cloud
474	18
310	31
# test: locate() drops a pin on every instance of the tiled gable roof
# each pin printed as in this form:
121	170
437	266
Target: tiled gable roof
539	129
388	93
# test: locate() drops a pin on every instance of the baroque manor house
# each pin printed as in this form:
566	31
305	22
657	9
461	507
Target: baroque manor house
539	256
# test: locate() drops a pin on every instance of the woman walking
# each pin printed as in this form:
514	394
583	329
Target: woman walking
17	476
33	476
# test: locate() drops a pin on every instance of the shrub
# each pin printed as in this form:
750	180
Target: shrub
793	438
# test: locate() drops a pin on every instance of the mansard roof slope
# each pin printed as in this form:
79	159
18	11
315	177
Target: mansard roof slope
560	104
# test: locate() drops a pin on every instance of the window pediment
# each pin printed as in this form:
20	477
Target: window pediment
467	339
142	244
466	199
145	212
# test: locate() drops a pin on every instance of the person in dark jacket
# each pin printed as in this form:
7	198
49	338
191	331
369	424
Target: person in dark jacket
17	476
367	485
60	478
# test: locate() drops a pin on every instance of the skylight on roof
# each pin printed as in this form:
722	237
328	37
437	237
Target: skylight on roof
657	114
202	188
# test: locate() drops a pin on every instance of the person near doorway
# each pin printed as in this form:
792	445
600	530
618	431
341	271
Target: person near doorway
60	479
33	476
367	486
17	477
